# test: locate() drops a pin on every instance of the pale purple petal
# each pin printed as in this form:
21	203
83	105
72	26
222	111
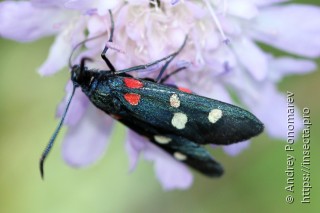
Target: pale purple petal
48	3
122	20
138	2
218	92
293	28
266	103
252	58
242	9
58	56
196	9
77	31
86	142
101	7
174	2
281	67
22	22
97	25
231	26
134	145
171	173
272	110
237	148
221	63
262	3
104	6
77	108
62	48
79	4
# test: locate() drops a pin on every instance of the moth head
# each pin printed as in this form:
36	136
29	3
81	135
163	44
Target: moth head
77	74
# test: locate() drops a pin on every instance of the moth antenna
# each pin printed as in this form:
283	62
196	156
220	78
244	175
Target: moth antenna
53	138
173	56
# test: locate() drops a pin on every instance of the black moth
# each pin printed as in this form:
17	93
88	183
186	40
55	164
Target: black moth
174	119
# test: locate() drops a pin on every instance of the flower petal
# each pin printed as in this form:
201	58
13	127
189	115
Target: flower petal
49	3
252	58
81	5
171	173
242	8
62	48
22	22
284	66
293	28
134	145
101	7
174	2
217	91
272	109
58	56
86	142
104	6
237	148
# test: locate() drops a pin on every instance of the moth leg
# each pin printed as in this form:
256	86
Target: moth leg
82	64
103	54
168	62
166	77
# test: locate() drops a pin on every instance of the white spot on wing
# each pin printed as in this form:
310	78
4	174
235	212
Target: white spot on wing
179	120
162	139
91	79
214	115
174	101
179	156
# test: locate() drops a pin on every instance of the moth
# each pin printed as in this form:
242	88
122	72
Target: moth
174	119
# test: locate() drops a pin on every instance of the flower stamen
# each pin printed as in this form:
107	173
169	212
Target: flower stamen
217	22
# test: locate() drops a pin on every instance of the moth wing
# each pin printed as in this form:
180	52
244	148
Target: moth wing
190	153
196	118
182	149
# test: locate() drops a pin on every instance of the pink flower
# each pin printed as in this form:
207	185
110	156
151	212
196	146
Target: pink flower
145	32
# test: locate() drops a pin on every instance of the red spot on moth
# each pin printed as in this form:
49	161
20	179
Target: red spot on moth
133	83
184	90
132	98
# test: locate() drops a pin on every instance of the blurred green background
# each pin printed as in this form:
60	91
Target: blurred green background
254	180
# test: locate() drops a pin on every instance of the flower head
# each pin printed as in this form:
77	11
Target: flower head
222	55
